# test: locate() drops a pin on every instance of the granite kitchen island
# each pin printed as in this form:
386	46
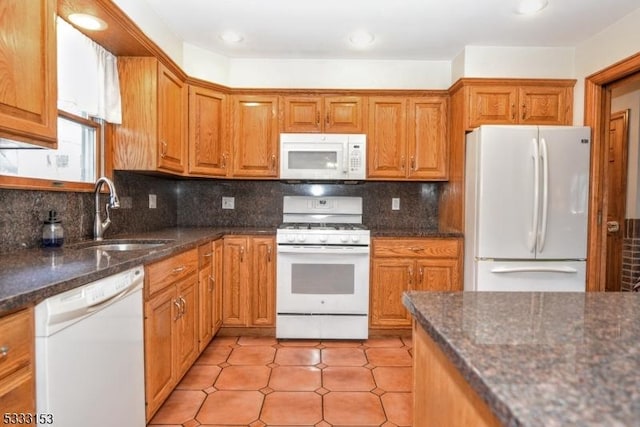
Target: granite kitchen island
526	359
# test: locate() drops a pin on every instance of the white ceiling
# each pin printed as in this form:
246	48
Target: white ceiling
403	29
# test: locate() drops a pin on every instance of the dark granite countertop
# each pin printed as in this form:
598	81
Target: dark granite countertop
542	359
413	232
29	276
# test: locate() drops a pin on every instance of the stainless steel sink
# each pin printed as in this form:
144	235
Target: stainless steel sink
121	244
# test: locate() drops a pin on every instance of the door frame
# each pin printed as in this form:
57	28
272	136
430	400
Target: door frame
597	110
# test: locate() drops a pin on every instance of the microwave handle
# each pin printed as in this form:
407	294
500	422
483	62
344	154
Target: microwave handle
345	160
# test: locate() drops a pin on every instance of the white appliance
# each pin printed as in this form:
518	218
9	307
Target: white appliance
90	354
322	286
526	199
323	156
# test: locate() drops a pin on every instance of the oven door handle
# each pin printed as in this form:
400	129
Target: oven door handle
326	250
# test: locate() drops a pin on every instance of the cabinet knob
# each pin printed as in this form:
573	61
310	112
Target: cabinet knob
224	160
163	149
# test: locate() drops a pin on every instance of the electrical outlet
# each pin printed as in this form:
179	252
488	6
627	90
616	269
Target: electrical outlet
395	204
228	203
153	201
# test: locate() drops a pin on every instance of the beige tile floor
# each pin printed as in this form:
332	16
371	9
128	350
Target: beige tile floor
259	382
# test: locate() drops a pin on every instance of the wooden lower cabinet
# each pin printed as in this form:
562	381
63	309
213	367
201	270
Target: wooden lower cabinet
210	291
171	315
441	396
249	281
17	381
399	265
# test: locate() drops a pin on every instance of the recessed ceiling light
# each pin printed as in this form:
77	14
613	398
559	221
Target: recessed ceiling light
528	7
88	22
361	39
231	37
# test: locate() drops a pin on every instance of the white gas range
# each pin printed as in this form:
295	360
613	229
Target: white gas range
323	269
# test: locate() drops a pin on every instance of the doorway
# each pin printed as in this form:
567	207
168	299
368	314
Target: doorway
599	88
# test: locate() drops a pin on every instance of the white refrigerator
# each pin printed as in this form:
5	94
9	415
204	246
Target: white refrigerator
526	200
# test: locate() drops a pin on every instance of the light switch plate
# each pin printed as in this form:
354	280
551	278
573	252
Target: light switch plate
153	201
228	203
395	204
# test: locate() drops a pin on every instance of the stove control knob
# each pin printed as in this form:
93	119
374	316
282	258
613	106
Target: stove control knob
291	237
355	239
344	239
301	237
323	237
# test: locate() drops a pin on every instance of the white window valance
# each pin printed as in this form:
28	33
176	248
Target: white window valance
87	76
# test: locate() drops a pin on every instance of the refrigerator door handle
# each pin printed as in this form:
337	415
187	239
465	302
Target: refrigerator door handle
569	270
533	233
542	233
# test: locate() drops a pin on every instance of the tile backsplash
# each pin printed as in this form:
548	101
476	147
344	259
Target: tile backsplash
198	203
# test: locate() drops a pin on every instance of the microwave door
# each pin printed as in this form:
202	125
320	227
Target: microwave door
313	162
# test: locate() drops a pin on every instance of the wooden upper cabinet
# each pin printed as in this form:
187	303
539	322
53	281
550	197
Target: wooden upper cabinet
545	105
493	105
255	136
407	138
387	137
152	136
28	96
330	114
428	140
539	104
208	142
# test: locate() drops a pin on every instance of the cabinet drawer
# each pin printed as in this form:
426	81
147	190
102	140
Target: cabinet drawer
163	273
418	248
16	341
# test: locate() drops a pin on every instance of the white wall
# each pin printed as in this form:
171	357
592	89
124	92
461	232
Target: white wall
609	46
206	65
624	98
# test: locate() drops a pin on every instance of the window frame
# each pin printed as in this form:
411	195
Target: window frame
25	183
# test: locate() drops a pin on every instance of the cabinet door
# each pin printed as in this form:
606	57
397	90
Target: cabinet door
302	114
172	110
344	114
390	277
437	275
428	140
160	314
255	136
206	294
217	285
492	105
262	285
387	137
235	279
208	147
187	334
544	105
28	97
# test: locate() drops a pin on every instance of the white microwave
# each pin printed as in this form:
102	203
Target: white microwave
323	156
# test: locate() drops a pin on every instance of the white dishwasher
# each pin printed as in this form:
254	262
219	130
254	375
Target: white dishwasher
90	354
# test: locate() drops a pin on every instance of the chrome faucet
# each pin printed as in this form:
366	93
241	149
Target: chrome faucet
99	226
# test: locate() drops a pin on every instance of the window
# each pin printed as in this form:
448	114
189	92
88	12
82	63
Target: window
88	94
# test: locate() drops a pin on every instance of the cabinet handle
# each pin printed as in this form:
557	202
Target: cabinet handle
420	274
224	160
4	352
210	254
178	269
163	150
410	277
183	304
268	253
318	118
524	111
327	119
241	253
416	249
402	163
179	313
212	283
273	162
413	163
513	112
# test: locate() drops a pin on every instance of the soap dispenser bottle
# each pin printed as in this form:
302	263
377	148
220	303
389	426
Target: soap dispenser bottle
52	231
